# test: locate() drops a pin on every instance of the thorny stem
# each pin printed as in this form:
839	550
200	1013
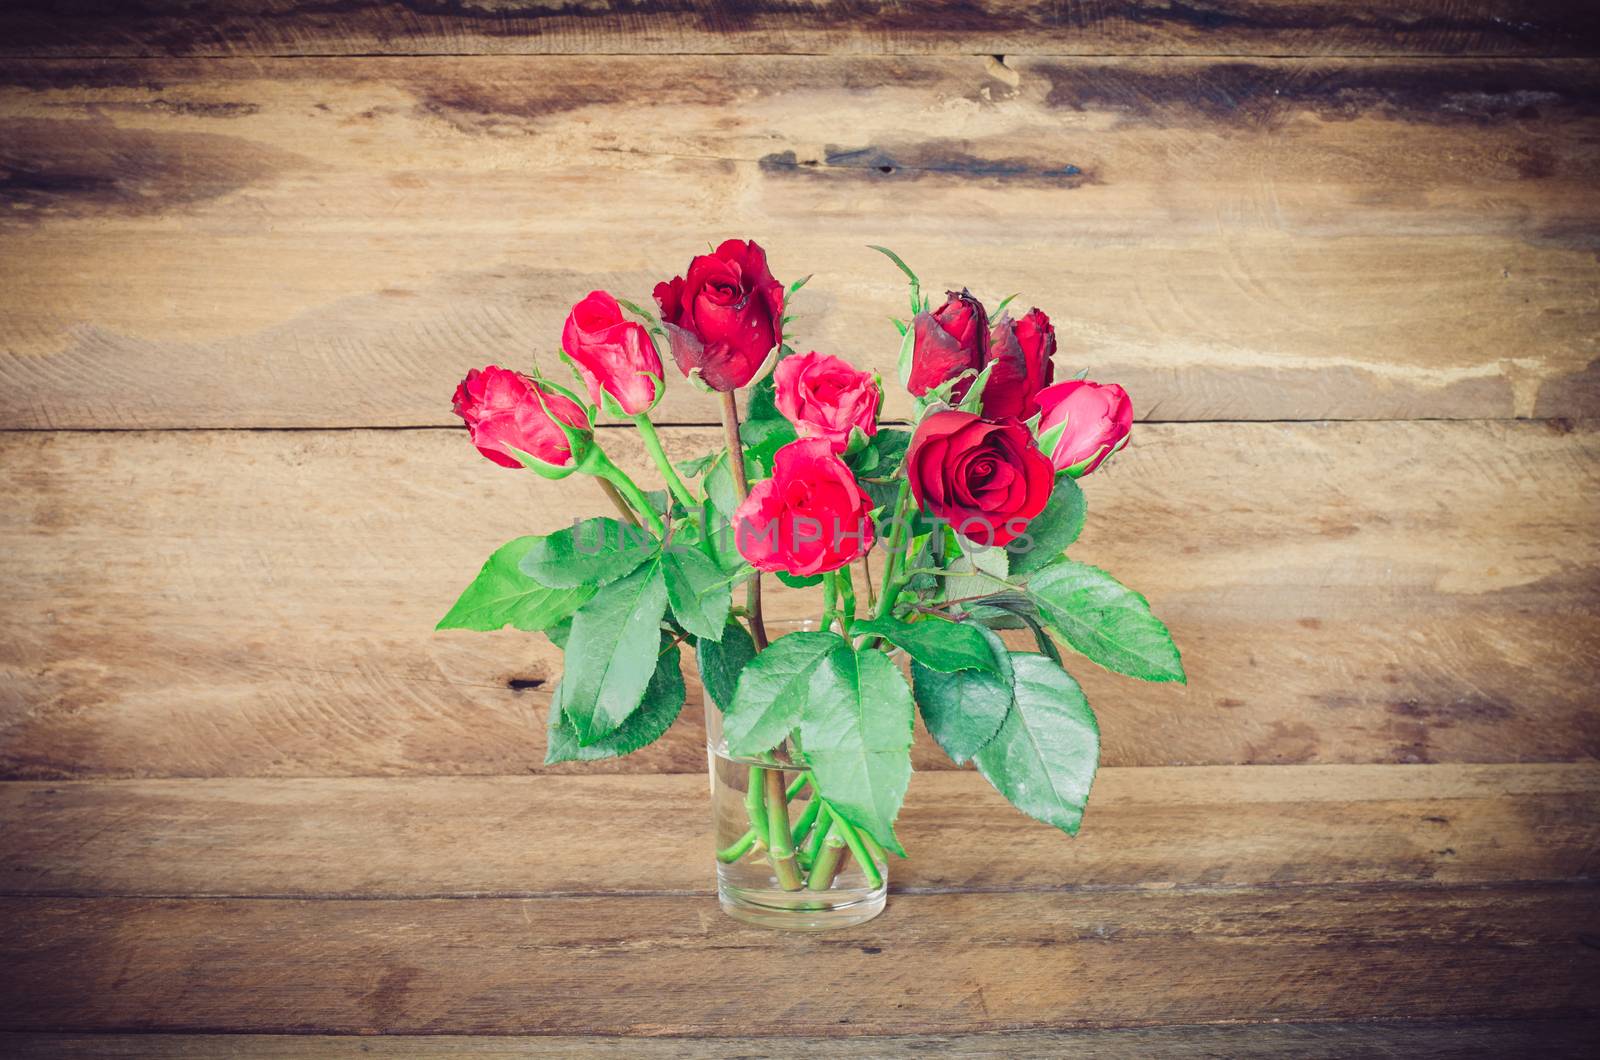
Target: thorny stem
616	499
741	484
618	478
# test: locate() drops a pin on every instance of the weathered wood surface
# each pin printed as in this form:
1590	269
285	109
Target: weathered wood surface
608	835
676	965
333	242
1266	27
1402	1040
262	603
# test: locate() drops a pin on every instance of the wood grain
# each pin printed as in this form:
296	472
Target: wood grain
1270	27
333	242
676	965
261	603
1148	828
1408	1040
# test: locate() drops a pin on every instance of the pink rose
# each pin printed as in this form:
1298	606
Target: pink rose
506	410
725	314
811	516
825	397
1083	423
613	355
947	342
1021	352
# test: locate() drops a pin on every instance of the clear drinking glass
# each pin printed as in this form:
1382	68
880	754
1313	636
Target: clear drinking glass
775	866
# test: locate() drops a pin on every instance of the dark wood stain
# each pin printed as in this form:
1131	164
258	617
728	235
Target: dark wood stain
928	158
1253	94
153	27
85	167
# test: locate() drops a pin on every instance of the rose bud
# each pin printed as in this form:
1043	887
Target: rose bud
614	355
725	315
1021	352
1083	423
811	516
506	410
952	339
825	397
986	478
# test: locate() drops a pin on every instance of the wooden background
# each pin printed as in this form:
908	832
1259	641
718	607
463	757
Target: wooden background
1346	257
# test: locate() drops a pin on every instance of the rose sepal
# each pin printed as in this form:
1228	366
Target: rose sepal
1101	455
973	402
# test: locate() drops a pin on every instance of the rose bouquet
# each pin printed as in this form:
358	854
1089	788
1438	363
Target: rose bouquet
924	541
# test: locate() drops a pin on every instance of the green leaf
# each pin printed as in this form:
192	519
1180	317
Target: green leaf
799	581
593	552
697	590
721	661
856	727
763	438
658	709
963	710
695	466
611	652
772	691
1105	620
762	403
501	595
936	643
720	489
1055	529
1044	756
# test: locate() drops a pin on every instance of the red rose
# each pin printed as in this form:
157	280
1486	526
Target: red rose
810	516
824	397
984	477
948	341
612	354
1083	423
506	410
724	315
1020	351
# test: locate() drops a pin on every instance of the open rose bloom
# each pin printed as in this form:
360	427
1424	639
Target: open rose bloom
925	532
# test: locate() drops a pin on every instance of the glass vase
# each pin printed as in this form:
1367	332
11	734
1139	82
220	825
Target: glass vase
783	859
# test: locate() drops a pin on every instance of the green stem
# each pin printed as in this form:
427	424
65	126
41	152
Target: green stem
631	493
891	565
755	802
741	485
826	864
819	832
847	596
859	849
738	848
652	445
779	846
808	817
830	609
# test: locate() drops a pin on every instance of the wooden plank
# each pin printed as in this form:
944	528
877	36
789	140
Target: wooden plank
1271	27
1412	1040
532	836
676	966
260	603
333	242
